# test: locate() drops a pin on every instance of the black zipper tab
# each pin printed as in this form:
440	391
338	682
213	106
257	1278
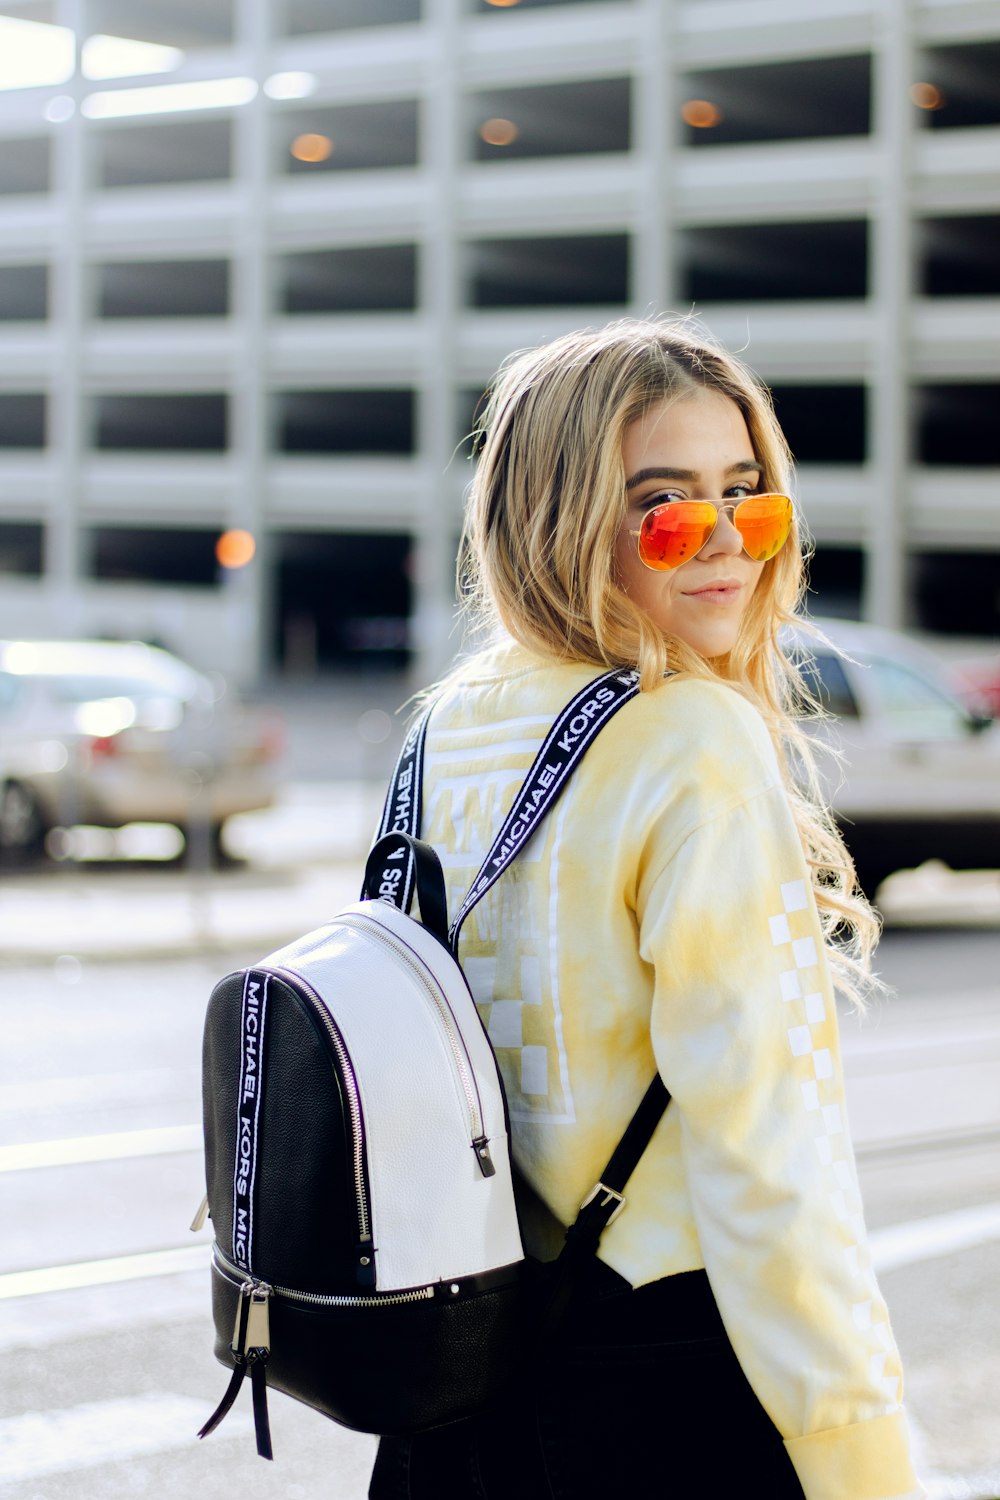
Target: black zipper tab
250	1348
364	1264
481	1147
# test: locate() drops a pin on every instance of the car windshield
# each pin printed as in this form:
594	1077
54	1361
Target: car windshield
86	688
914	707
825	678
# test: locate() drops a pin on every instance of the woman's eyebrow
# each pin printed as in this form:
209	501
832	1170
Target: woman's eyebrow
745	466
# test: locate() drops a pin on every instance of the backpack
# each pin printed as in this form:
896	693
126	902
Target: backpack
367	1257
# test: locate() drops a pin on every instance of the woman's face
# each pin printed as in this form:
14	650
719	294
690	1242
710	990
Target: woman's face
693	448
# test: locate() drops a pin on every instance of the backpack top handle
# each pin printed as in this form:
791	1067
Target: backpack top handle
386	875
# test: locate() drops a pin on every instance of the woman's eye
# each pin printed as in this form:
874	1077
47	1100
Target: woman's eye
667	497
741	491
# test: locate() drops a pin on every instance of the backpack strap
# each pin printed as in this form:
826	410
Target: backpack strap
570	736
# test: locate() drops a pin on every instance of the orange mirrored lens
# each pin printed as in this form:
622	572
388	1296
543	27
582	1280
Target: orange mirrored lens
763	521
672	534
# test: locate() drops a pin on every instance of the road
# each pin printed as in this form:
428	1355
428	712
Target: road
104	1323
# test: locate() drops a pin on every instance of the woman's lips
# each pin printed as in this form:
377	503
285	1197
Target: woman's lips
720	591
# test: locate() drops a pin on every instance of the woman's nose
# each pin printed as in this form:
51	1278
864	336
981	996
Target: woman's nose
725	540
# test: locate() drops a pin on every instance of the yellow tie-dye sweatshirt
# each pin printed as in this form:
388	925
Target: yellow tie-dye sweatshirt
662	918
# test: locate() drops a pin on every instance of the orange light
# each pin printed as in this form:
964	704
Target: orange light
311	148
498	131
502	4
927	96
234	549
702	114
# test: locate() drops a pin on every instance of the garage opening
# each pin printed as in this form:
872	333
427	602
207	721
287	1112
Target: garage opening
343	601
154	554
958	593
348	422
176	151
555	119
24	293
26	165
557	271
22	419
774	262
163	289
963	85
956	425
824	424
807	98
348	137
185	423
358	278
960	256
307	17
836	582
22	548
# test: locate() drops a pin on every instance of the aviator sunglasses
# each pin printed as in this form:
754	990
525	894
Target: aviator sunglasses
676	531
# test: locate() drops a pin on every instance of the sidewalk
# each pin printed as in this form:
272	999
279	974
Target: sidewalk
127	914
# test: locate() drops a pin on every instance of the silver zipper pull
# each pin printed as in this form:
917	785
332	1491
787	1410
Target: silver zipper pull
258	1335
198	1222
252	1329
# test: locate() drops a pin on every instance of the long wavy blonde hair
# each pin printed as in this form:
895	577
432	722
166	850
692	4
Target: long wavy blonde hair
544	511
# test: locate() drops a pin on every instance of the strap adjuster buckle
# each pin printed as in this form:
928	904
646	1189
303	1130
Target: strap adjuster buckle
611	1195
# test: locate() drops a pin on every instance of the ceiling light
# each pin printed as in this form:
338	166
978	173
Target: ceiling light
290	85
166	98
234	549
33	54
311	147
498	131
702	114
123	57
62	107
927	96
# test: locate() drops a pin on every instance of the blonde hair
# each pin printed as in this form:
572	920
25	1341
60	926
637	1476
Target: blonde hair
544	511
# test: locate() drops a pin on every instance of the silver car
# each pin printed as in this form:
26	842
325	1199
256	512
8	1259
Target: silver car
110	733
920	773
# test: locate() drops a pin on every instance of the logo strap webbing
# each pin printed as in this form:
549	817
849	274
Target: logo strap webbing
570	736
253	1018
403	800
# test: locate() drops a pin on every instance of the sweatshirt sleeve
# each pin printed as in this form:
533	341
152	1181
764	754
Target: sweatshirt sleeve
745	1035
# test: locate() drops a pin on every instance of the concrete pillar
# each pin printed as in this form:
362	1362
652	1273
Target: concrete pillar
890	421
248	591
655	105
68	310
440	296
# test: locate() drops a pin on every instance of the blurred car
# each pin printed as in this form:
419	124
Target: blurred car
110	733
978	684
920	774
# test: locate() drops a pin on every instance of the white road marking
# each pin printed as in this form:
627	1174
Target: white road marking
119	1145
85	1090
101	1272
101	1432
897	1245
924	1239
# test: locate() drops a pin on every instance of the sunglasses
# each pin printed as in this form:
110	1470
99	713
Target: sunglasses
675	532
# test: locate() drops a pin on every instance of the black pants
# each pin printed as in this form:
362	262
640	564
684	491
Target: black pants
644	1388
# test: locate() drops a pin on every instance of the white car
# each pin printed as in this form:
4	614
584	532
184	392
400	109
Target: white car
920	775
110	733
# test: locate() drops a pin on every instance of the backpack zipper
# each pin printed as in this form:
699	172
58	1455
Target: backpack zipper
443	1012
260	1290
365	1252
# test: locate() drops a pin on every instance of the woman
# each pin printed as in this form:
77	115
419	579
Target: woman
677	910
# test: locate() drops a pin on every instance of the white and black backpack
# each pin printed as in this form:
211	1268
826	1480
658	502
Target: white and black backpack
367	1256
